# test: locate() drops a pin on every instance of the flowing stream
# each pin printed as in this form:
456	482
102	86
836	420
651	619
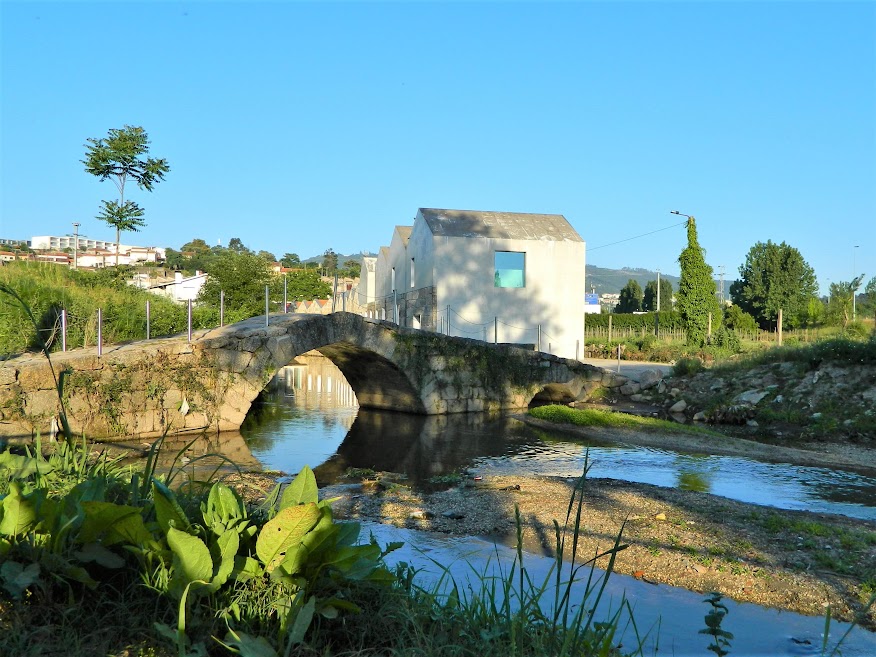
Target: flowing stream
308	416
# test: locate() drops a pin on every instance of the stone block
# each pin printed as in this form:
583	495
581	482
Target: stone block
650	378
37	376
8	375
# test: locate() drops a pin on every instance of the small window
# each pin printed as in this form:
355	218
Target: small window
510	269
412	272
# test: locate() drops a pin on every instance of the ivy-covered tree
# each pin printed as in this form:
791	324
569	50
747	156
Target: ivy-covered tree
649	298
630	298
774	277
121	156
695	299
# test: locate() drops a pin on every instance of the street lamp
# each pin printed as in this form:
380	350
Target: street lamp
681	214
75	244
855	288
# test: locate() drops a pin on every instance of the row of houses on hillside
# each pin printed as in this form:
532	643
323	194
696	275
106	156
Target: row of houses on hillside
496	276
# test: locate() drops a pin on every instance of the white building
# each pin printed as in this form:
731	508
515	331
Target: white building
128	255
181	288
496	276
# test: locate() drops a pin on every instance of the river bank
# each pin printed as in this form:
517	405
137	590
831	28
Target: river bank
794	560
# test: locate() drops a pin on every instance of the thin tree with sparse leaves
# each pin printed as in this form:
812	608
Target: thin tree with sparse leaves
119	157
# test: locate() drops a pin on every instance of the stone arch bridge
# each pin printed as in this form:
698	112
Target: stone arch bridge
149	388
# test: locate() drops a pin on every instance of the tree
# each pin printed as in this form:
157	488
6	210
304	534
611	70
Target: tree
774	277
630	298
242	276
267	255
236	245
696	300
329	261
306	284
867	304
737	319
840	304
649	299
119	157
290	260
197	245
352	268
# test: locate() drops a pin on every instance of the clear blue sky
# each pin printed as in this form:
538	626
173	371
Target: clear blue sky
302	126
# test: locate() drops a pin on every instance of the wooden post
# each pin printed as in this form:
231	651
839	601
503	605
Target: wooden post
609	328
779	327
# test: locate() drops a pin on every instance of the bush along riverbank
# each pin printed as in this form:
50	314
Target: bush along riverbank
820	392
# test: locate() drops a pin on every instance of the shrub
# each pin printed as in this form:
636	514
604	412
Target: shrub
687	366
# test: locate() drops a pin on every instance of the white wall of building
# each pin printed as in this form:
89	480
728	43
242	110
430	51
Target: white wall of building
553	295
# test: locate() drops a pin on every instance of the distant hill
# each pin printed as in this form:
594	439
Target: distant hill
610	281
341	257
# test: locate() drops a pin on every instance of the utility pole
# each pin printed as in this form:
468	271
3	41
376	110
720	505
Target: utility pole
75	244
721	290
658	291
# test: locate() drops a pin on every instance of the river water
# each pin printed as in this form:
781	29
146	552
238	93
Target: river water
308	416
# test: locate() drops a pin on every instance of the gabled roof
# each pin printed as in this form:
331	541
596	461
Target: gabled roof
501	225
404	232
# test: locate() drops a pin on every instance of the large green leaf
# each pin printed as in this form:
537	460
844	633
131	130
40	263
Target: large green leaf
16	578
227	545
293	562
113	523
324	537
99	554
191	556
285	530
167	509
19	512
223	509
23	466
246	568
302	490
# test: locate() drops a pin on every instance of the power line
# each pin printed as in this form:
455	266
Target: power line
602	246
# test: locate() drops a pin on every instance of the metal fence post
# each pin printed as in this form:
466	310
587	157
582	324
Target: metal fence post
285	302
221	307
266	306
64	330
189	321
99	332
148	320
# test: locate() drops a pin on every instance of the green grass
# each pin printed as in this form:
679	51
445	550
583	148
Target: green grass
590	417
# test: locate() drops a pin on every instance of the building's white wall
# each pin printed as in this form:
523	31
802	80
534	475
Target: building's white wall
553	296
381	275
367	290
398	258
421	248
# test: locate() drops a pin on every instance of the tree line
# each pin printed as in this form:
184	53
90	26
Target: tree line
773	277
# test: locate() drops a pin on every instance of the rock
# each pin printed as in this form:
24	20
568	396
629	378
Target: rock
638	398
816	416
661	387
751	397
630	388
779	399
675	392
660	516
752	423
700	416
650	378
420	514
678	407
681	418
453	515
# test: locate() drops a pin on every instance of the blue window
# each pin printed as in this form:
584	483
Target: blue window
510	269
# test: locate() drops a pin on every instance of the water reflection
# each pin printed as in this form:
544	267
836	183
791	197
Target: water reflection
309	416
